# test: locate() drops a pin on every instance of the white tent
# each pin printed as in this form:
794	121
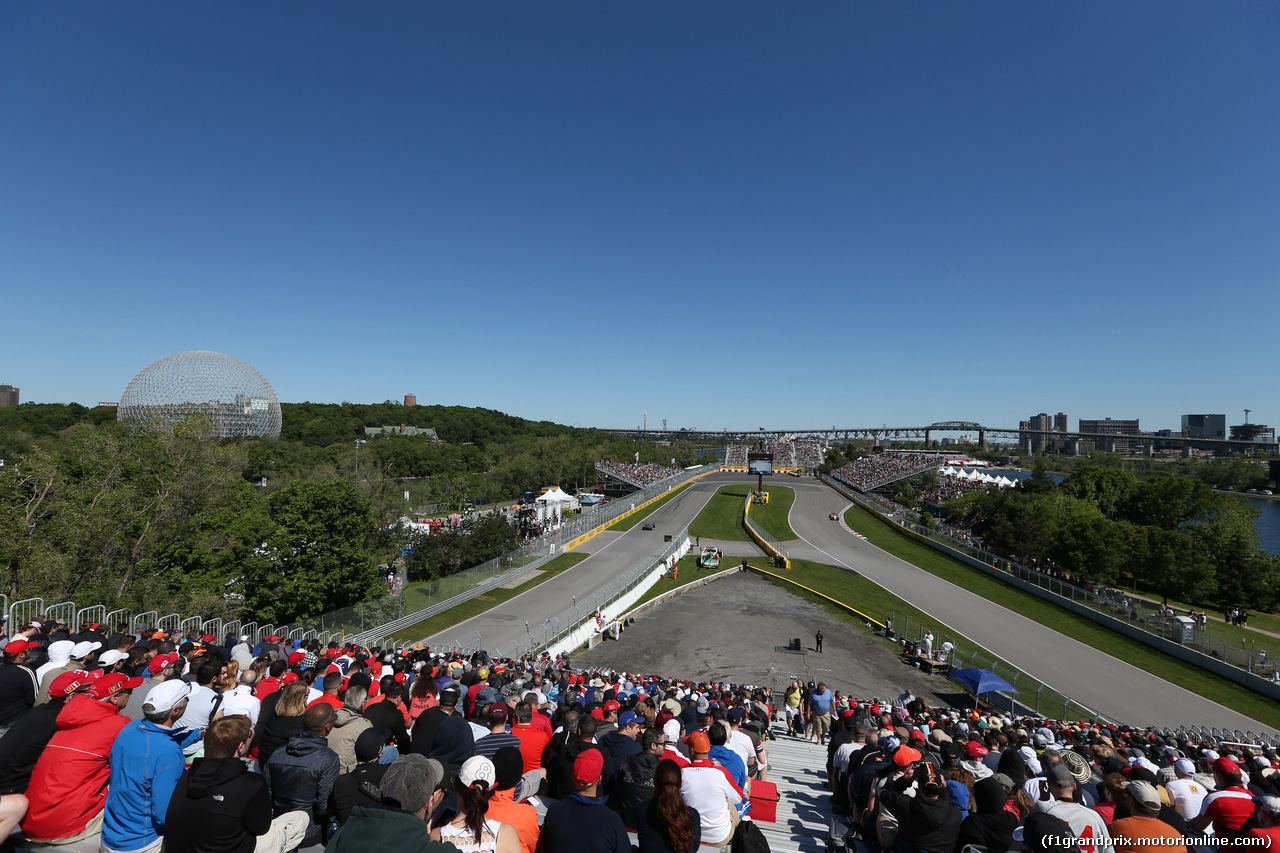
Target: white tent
554	502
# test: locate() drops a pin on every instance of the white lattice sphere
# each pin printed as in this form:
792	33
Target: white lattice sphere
237	399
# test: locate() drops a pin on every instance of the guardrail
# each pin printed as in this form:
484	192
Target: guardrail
764	538
563	624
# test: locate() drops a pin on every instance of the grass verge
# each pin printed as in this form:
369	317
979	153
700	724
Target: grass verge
774	515
640	515
467	609
1202	682
689	572
721	518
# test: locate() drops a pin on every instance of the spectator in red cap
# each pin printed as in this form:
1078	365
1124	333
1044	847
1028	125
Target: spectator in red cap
17	682
32	731
68	787
160	669
581	823
1229	807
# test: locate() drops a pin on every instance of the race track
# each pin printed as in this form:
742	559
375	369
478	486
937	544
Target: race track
1109	685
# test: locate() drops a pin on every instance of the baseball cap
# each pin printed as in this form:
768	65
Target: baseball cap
295	658
70	682
905	756
166	695
1145	793
1269	804
1226	765
626	718
975	749
111	657
84	649
735	715
928	777
611	706
289	678
496	713
159	662
1185	765
109	685
410	781
589	764
1059	776
17	647
478	770
698	742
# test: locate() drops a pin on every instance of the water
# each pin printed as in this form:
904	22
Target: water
1268	523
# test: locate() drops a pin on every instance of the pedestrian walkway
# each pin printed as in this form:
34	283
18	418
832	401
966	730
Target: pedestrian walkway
798	768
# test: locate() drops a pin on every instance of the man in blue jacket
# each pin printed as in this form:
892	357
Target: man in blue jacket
146	763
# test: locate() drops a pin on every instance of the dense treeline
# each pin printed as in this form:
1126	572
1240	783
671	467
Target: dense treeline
100	513
1172	536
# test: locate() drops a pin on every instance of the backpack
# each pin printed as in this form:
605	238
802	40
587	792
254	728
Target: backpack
749	839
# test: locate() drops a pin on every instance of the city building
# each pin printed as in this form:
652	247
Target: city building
1108	426
8	395
427	432
1253	432
1034	441
1204	426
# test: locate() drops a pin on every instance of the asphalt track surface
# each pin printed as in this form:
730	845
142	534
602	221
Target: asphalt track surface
1110	686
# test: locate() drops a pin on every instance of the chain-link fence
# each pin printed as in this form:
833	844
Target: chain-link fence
556	628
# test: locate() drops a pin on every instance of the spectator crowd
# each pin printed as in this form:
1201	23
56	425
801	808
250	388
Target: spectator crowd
787	453
871	472
638	474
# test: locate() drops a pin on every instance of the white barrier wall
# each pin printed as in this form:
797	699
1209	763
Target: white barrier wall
620	605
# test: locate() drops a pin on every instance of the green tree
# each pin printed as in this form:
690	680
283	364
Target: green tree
321	556
1109	489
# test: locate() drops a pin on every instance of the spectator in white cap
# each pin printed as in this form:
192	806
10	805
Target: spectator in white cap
1185	794
146	762
112	660
59	655
242	653
77	662
1267	816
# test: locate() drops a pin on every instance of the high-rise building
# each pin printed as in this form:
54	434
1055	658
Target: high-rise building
8	395
1060	423
1108	426
1253	432
1204	426
1034	441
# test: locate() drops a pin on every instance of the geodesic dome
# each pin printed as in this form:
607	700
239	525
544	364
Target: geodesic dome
238	400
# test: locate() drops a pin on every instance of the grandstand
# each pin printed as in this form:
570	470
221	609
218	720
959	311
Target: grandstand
874	472
788	453
635	474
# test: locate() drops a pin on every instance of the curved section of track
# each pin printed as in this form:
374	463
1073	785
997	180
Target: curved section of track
1093	678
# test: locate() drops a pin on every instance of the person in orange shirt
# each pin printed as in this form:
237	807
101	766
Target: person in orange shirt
502	805
1142	831
532	738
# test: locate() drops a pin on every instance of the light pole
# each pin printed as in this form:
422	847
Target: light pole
359	441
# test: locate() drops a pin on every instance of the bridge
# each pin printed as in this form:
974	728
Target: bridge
1028	438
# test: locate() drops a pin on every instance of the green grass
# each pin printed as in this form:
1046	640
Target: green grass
773	516
492	598
721	518
640	515
1202	682
689	572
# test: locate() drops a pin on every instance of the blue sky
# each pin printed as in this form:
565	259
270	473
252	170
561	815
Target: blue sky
723	214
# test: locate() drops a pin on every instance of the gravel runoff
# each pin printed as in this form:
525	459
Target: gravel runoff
728	630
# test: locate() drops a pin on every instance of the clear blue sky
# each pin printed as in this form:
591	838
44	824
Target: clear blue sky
721	213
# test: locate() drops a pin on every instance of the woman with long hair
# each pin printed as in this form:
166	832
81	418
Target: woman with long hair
470	831
423	694
667	824
284	723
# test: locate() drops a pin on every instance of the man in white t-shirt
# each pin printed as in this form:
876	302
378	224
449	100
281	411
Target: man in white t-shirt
1185	794
1086	824
241	701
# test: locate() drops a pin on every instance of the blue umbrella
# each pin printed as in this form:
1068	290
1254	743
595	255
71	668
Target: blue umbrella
982	681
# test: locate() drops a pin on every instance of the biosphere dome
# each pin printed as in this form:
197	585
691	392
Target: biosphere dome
237	399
